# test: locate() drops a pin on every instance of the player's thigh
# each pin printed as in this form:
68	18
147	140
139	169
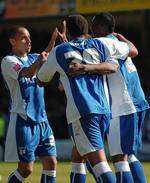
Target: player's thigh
48	162
86	134
96	156
27	139
76	157
47	146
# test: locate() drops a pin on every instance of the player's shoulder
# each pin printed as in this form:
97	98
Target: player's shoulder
101	39
62	48
108	42
97	42
8	59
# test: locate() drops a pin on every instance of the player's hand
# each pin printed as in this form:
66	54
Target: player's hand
60	86
51	44
43	57
115	33
62	36
76	69
119	36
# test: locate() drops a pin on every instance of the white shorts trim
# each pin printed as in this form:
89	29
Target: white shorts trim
80	139
114	141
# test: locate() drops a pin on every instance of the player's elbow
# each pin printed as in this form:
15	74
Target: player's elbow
133	52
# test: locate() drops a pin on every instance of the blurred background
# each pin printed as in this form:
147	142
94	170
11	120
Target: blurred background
41	17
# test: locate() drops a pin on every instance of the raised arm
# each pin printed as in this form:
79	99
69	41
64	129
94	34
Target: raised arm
29	72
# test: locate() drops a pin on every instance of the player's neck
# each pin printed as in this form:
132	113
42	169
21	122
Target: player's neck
19	53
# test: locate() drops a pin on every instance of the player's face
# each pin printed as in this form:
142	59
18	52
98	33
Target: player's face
22	41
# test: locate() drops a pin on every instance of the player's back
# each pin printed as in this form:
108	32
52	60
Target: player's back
85	93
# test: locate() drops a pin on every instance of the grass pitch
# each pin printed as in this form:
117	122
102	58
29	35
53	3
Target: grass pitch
63	171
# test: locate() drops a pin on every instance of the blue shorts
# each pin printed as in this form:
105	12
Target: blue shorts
34	140
124	136
88	132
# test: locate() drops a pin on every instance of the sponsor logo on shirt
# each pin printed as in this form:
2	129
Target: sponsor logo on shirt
17	68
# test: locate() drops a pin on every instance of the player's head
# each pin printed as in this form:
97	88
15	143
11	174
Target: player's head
76	25
103	24
19	38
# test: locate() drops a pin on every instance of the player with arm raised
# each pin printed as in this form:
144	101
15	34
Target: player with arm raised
87	107
29	133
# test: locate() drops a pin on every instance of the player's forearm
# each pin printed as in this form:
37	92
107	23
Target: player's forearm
102	68
133	50
29	72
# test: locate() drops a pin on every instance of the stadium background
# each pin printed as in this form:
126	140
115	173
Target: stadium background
41	17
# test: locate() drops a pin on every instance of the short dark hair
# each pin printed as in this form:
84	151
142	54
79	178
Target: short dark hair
76	25
11	33
105	19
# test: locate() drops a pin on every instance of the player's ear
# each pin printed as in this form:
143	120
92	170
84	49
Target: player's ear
12	41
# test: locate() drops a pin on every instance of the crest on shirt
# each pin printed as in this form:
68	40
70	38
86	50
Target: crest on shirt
17	67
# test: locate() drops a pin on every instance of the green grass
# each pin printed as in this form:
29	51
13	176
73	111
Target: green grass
63	171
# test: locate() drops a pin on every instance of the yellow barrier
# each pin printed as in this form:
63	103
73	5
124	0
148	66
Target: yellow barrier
95	6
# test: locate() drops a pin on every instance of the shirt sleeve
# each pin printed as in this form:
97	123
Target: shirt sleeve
115	49
49	68
11	67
